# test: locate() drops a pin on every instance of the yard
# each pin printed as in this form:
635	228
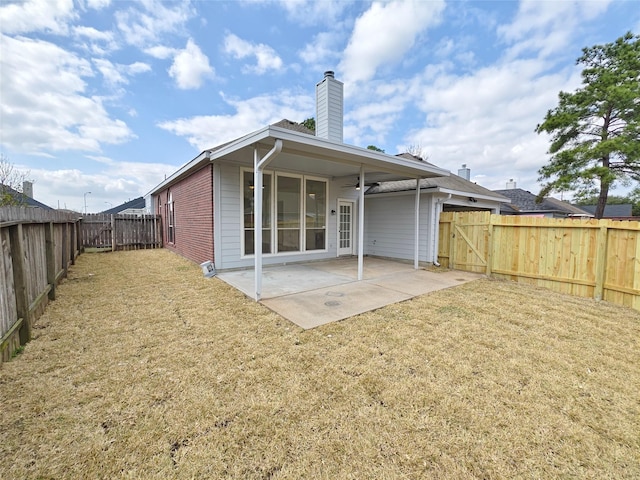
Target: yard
142	368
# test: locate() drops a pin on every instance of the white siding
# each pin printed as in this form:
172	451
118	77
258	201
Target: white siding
390	227
329	109
230	214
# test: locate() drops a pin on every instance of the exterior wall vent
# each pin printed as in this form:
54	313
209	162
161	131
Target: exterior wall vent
330	108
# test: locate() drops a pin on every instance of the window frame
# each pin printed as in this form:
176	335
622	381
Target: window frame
273	212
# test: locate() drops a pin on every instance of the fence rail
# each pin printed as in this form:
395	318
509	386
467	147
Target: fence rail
121	232
37	248
589	258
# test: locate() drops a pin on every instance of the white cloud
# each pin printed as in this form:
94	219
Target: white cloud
322	50
252	114
190	67
115	74
98	4
143	26
545	28
112	184
99	42
37	16
44	103
266	57
487	119
384	33
310	12
161	52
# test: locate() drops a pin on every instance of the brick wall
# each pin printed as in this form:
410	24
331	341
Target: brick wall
193	207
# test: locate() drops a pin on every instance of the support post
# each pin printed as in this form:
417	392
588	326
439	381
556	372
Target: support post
361	226
258	168
257	222
416	251
20	281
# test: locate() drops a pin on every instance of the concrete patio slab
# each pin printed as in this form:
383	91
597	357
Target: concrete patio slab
317	293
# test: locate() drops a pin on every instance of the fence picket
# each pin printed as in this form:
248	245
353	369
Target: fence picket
590	258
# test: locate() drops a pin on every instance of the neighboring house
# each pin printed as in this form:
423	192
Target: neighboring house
302	188
524	203
611	211
137	206
25	198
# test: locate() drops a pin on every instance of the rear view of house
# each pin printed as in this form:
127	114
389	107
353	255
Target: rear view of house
282	194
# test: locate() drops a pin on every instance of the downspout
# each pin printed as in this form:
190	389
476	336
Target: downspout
436	228
258	168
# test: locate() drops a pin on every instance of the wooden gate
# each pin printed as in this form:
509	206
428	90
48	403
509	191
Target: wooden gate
464	240
121	232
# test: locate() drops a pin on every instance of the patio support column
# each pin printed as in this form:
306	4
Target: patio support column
258	168
416	251
361	225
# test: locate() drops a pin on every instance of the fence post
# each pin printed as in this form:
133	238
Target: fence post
20	281
50	249
452	242
113	233
65	248
489	245
601	260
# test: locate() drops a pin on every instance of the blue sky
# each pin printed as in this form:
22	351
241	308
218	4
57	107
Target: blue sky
109	96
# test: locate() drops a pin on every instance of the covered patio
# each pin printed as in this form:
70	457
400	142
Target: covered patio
316	293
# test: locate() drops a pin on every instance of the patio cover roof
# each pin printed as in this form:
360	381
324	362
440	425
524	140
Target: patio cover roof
302	152
281	148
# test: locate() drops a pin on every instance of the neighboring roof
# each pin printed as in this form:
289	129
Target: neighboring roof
296	127
523	201
451	184
623	210
300	148
22	199
135	203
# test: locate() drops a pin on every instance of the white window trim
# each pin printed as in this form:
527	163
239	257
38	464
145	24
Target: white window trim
274	212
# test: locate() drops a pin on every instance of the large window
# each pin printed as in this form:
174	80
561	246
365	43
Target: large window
171	219
315	214
288	197
299	205
249	213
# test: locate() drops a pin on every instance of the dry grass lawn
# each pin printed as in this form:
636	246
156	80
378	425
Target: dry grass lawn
142	368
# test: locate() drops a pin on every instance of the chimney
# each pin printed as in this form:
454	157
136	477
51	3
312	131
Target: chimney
464	172
27	189
329	108
511	184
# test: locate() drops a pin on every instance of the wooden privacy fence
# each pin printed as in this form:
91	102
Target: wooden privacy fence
585	257
121	232
37	248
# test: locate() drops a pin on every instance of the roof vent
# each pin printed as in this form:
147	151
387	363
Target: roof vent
511	184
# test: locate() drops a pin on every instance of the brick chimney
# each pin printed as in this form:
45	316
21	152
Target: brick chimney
329	108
